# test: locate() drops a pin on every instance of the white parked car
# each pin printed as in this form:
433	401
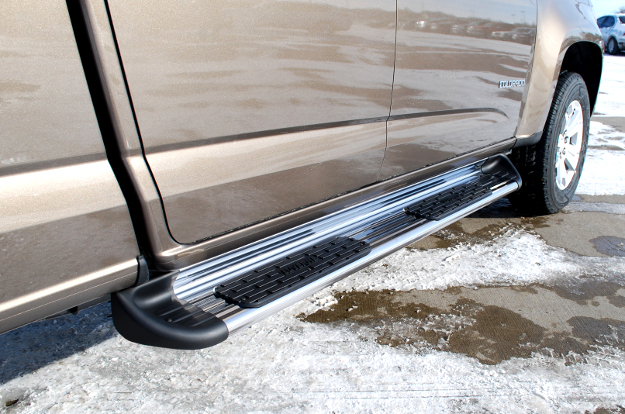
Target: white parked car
613	31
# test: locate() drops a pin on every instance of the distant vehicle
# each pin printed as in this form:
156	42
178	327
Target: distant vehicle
486	30
502	34
421	24
461	28
440	25
523	34
613	32
518	34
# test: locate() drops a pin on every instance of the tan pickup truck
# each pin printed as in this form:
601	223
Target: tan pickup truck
205	164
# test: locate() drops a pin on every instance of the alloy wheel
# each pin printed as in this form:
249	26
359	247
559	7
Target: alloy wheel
569	145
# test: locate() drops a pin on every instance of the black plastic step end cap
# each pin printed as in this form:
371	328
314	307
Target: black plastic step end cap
500	164
135	315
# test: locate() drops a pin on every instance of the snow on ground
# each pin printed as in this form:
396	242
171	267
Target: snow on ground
604	137
604	168
514	258
611	101
286	365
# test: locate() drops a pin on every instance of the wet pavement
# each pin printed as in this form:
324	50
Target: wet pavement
565	319
589	226
491	324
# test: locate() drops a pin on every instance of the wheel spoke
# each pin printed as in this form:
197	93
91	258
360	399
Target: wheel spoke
572	151
575	125
561	173
569	145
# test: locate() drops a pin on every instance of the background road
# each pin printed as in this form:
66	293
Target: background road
498	313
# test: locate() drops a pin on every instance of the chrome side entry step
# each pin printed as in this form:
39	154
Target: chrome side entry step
201	305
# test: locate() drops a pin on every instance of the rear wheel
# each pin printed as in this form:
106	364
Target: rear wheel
612	47
551	169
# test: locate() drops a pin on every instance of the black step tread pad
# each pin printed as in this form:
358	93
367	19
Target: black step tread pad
443	204
263	285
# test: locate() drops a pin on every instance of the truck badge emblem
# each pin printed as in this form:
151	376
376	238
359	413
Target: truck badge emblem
512	84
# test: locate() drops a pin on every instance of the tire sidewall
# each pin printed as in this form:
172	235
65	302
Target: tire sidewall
612	46
576	91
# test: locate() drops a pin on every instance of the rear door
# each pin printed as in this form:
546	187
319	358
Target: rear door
459	79
252	108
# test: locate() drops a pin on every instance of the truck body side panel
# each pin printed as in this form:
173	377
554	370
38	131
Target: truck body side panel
65	231
560	24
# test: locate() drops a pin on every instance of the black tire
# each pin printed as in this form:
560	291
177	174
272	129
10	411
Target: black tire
612	47
537	163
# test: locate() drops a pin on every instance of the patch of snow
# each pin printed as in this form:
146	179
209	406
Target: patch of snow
515	258
603	173
611	100
285	365
604	169
602	135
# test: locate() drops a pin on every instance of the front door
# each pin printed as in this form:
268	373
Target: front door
461	65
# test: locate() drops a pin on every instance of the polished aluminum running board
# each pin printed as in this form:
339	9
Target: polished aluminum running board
385	224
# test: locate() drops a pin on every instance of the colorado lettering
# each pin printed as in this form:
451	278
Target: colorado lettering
512	83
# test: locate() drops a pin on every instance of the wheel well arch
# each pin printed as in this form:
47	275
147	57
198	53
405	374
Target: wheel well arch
585	58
